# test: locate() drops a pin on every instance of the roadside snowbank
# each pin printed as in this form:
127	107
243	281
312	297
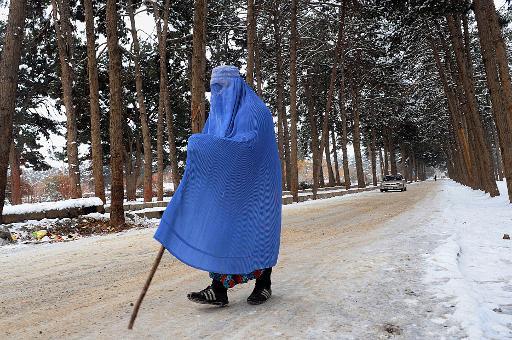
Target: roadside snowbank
473	267
28	208
69	229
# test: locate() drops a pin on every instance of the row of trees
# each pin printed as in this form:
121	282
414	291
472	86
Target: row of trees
409	84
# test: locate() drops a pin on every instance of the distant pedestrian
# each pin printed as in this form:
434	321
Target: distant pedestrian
435	178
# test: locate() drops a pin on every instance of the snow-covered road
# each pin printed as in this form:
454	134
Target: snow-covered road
351	267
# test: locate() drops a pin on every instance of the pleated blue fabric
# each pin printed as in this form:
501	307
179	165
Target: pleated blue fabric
225	215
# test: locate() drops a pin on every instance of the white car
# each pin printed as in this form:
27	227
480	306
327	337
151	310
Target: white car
391	182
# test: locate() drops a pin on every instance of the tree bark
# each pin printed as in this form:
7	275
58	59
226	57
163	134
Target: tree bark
403	159
286	138
146	136
409	163
160	123
132	170
373	152
392	155
257	67
381	163
65	47
321	177
338	53
335	154
357	141
314	133
198	66
251	34
482	152
417	172
330	173
414	176
160	150
499	161
501	59
460	136
164	93
92	71
386	154
501	105
16	196
282	122
116	116
344	137
294	177
9	63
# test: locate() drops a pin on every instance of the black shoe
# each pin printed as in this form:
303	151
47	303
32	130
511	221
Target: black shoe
210	296
259	295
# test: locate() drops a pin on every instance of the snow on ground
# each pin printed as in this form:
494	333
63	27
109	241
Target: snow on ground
429	263
45	206
349	268
36	232
472	268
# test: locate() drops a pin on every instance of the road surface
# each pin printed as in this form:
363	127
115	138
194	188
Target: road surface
350	267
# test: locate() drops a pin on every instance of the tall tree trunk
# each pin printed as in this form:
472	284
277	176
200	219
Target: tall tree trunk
417	171
321	177
160	121
414	176
116	116
92	70
330	173
499	160
381	163
409	163
15	175
257	67
64	42
160	150
294	171
314	134
386	154
403	159
282	123
459	131
373	152
198	65
146	136
338	53
164	93
500	99
132	170
251	34
286	138
482	152
392	154
344	135
335	154
502	60
357	141
9	63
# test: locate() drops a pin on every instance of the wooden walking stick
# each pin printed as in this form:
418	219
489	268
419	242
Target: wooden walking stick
146	286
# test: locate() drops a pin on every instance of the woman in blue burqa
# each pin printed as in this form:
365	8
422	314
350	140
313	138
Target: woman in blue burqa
225	216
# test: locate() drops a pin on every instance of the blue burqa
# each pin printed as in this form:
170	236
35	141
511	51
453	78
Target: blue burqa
225	215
